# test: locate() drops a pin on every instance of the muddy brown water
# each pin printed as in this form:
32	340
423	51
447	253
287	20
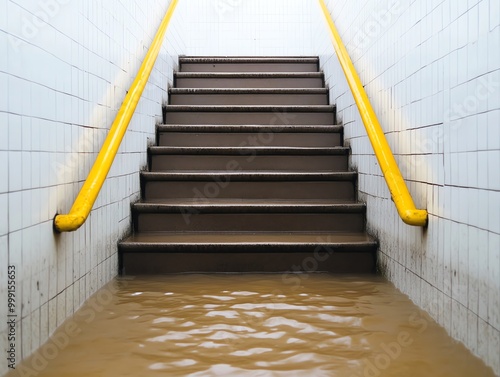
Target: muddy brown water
251	325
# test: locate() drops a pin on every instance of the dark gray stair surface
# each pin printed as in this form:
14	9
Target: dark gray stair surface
244	158
244	216
249	80
250	115
248	64
249	96
177	252
249	135
249	174
249	185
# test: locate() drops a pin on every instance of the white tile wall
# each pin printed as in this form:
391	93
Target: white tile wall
249	27
64	70
431	69
432	72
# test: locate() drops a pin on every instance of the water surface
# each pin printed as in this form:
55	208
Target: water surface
252	325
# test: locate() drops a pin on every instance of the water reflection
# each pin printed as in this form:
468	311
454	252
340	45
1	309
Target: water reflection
258	325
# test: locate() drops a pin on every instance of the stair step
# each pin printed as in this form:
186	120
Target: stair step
249	80
249	185
210	217
248	206
210	96
250	115
247	64
180	252
250	150
222	128
248	158
248	135
260	176
239	241
249	175
244	203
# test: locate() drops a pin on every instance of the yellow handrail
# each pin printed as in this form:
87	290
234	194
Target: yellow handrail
397	186
88	194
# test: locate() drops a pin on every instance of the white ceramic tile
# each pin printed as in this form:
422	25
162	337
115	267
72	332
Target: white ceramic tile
25	172
4	105
4	123
493	348
15	211
26	336
494	279
24	209
52	315
491	203
493	52
16	98
44	321
493	176
455	320
4	172
474	271
61	308
15	132
494	13
258	28
69	302
492	130
472	328
4	259
482	256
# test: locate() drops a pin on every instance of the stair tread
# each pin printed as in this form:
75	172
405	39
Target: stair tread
250	108
250	75
248	59
245	201
216	128
248	90
244	151
246	175
248	206
248	238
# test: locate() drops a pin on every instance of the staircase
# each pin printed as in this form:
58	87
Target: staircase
249	175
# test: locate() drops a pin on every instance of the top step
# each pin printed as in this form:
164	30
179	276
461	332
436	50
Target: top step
248	64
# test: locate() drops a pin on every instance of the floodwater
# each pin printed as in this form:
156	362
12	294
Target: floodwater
251	325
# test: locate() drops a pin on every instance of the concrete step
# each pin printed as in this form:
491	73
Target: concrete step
270	216
249	64
249	80
234	159
249	135
287	252
249	185
250	115
248	96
